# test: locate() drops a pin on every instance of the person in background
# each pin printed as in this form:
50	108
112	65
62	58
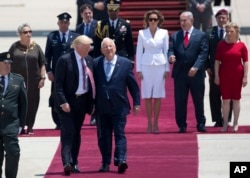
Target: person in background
75	93
215	35
88	28
151	58
98	6
29	61
231	70
202	12
13	108
188	51
117	29
218	2
113	75
58	43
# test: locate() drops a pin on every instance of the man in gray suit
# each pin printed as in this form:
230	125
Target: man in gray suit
188	51
13	108
202	12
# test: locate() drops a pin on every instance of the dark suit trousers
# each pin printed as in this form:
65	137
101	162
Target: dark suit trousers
71	124
106	125
216	102
182	86
9	145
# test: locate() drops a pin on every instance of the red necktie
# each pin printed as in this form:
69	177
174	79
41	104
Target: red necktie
91	78
186	39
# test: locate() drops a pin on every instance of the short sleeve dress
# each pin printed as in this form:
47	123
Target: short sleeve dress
231	69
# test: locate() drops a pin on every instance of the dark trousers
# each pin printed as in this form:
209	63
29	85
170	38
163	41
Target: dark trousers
216	102
218	2
71	124
182	86
52	104
9	145
106	125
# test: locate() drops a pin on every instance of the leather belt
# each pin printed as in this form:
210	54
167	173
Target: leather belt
78	95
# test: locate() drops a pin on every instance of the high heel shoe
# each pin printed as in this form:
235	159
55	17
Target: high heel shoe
156	130
224	128
235	128
149	129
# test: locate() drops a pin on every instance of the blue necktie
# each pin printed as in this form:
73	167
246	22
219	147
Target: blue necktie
86	29
221	34
108	70
63	38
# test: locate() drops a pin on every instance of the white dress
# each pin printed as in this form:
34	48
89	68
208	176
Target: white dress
151	60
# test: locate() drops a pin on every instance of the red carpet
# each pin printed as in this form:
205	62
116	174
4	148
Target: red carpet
149	155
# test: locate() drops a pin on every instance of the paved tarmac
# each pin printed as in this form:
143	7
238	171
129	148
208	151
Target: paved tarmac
215	150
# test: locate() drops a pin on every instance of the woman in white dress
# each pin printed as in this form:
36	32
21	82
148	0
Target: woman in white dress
152	65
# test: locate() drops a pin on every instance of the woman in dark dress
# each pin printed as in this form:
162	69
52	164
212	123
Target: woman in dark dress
29	61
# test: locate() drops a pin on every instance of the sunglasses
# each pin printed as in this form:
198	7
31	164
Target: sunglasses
26	32
153	19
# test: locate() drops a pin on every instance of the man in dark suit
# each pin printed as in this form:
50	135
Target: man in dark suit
202	12
188	51
13	108
215	35
117	29
113	75
88	28
58	43
98	6
75	93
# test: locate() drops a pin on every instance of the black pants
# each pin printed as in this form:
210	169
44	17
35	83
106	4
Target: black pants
9	145
218	2
71	124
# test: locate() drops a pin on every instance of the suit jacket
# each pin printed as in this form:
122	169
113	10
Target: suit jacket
67	78
13	105
194	55
208	7
54	48
111	96
122	36
213	39
92	29
152	51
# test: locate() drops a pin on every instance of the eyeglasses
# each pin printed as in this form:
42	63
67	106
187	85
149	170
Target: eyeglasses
26	32
153	19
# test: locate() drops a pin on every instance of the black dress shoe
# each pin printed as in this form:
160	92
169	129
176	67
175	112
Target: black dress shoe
104	168
182	130
218	124
201	129
75	169
122	166
67	169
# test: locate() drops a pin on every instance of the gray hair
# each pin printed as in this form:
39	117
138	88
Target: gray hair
107	39
21	27
189	14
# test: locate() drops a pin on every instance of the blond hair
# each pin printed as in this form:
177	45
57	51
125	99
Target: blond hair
82	39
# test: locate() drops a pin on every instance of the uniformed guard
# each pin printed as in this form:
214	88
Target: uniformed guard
13	110
58	43
117	29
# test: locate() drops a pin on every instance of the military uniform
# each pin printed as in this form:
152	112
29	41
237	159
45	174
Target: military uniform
13	110
122	35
